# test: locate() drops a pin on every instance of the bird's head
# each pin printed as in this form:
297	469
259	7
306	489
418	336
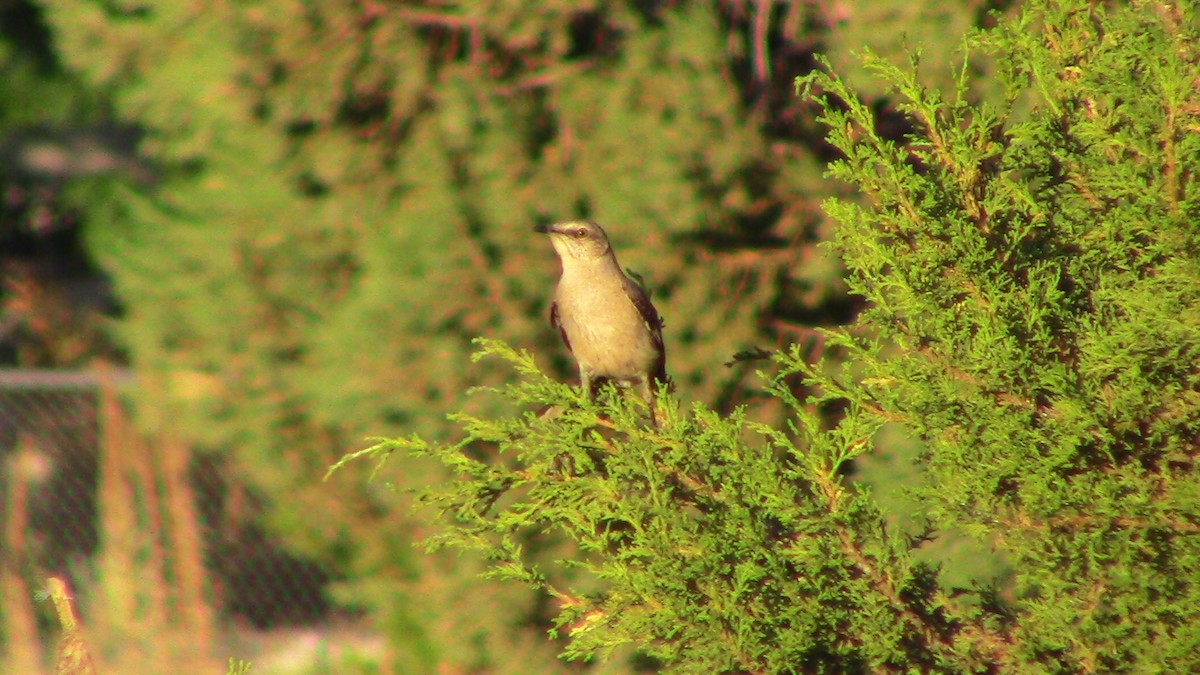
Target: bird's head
577	239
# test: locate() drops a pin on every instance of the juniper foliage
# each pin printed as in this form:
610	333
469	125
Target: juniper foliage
710	543
1033	271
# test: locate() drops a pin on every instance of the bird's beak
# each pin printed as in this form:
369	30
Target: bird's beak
544	229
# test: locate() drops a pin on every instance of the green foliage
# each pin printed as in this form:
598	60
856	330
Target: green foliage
710	543
1033	271
1034	276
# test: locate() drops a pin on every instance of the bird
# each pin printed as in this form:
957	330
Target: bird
605	318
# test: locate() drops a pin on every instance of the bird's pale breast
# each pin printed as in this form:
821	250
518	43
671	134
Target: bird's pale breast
608	335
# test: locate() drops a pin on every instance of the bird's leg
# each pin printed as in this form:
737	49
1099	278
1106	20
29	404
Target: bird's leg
585	381
646	388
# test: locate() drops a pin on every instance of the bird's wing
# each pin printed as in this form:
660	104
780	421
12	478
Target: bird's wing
554	321
641	300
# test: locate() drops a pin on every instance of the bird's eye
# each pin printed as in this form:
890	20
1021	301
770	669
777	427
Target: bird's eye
581	233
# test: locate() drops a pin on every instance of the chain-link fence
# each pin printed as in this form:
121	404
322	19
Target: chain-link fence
154	540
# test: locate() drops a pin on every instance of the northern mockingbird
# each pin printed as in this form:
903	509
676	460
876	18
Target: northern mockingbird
605	318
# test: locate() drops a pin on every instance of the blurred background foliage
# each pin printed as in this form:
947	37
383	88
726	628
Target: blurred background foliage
296	216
